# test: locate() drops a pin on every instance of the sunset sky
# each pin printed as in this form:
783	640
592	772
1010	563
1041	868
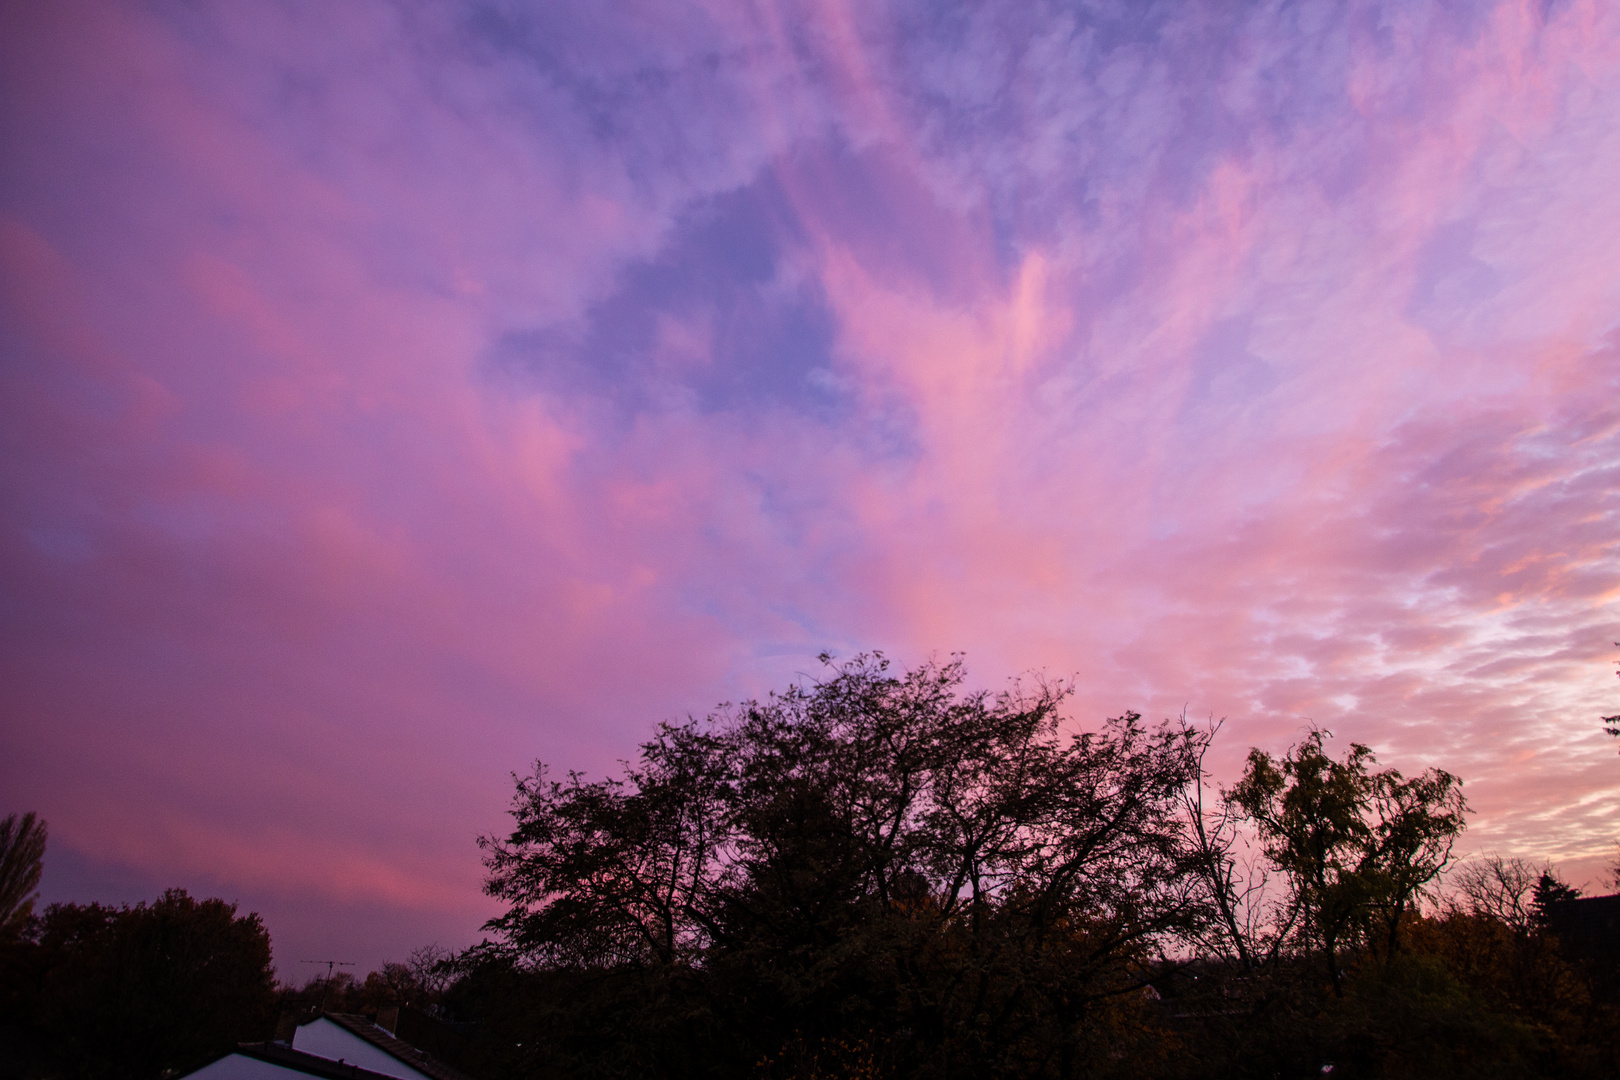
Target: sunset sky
392	394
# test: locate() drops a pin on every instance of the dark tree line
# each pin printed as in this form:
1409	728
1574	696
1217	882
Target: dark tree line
138	992
883	875
878	861
153	990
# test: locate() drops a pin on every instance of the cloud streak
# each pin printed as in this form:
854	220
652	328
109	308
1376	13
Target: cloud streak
392	396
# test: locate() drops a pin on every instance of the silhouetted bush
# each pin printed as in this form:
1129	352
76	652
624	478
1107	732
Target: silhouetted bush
136	992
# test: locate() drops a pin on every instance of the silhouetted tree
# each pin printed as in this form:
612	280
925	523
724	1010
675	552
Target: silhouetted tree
145	991
22	859
882	875
1498	889
1356	845
880	861
1550	891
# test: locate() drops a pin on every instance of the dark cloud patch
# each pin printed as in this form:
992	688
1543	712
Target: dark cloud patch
1227	376
1450	281
717	320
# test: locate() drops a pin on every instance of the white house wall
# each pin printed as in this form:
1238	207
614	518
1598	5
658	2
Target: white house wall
241	1067
325	1039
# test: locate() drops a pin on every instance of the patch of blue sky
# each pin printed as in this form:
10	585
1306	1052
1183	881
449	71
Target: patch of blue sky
63	542
715	320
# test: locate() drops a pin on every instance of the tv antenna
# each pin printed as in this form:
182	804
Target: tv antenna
330	965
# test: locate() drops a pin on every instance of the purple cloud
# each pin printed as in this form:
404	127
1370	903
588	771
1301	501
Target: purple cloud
393	396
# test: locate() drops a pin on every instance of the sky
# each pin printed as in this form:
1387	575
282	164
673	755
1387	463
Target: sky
395	394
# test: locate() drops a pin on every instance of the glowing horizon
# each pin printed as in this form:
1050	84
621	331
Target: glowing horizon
393	396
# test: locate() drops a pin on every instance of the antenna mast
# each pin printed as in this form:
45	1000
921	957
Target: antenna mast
330	965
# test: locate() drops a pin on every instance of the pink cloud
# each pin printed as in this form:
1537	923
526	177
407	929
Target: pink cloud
1274	381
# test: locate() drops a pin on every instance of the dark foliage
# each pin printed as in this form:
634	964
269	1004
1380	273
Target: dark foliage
935	881
22	857
883	876
1356	845
418	982
138	992
1550	891
1467	996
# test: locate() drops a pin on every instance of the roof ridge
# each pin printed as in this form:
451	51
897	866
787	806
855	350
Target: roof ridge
395	1047
306	1063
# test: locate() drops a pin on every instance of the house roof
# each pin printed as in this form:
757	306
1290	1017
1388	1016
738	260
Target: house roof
299	1062
403	1051
1589	925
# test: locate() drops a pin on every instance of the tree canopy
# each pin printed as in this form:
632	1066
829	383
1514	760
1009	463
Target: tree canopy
137	991
878	852
884	873
1356	844
22	859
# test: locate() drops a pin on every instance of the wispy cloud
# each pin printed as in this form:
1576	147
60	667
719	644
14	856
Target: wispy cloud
392	396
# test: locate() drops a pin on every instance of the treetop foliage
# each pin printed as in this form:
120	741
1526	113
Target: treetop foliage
22	858
1357	845
872	845
886	874
138	991
867	789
